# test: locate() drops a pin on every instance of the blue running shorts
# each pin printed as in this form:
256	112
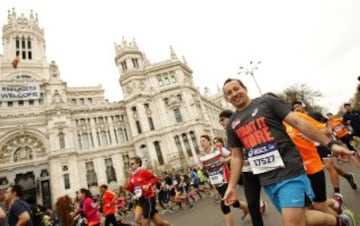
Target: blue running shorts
290	193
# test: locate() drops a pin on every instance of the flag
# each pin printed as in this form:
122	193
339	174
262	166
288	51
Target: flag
15	62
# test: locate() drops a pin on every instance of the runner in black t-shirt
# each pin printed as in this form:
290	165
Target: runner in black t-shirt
256	132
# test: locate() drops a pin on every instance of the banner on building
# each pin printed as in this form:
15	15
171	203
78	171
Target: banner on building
19	92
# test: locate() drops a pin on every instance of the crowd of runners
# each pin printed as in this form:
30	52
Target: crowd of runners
271	145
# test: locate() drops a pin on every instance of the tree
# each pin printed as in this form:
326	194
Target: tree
302	92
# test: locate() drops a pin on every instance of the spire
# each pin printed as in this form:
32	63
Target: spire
172	53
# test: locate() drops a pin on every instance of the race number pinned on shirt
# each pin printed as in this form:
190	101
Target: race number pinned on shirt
265	158
338	128
138	191
217	178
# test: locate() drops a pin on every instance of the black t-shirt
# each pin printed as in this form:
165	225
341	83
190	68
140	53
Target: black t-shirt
16	209
258	129
354	117
168	180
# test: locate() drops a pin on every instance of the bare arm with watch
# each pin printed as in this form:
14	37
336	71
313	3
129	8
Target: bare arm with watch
314	134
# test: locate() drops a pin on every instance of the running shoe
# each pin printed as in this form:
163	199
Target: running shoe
347	218
162	212
339	200
350	178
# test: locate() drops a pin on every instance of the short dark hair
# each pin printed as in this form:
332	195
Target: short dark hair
86	192
234	79
137	159
207	137
219	139
347	104
297	102
226	114
18	189
104	186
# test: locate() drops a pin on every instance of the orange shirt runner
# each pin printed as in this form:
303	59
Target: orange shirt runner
338	127
108	205
306	147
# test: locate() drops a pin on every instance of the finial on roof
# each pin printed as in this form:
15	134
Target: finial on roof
134	43
31	14
13	14
9	17
36	18
124	43
184	60
172	53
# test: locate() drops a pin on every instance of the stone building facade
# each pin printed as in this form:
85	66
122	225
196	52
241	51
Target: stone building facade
55	139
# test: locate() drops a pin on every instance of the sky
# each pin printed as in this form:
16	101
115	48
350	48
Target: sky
311	42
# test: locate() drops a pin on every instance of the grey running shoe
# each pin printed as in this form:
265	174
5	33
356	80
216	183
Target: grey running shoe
347	218
350	178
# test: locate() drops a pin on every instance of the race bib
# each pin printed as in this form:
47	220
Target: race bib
138	191
216	179
338	128
264	159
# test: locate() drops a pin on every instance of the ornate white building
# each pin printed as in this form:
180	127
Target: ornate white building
55	139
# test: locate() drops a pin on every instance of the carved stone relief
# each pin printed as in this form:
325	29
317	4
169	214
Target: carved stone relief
21	148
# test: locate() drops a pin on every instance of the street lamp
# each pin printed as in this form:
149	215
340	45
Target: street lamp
250	71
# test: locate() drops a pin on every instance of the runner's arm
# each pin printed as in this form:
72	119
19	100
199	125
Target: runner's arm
24	218
236	165
312	132
306	128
